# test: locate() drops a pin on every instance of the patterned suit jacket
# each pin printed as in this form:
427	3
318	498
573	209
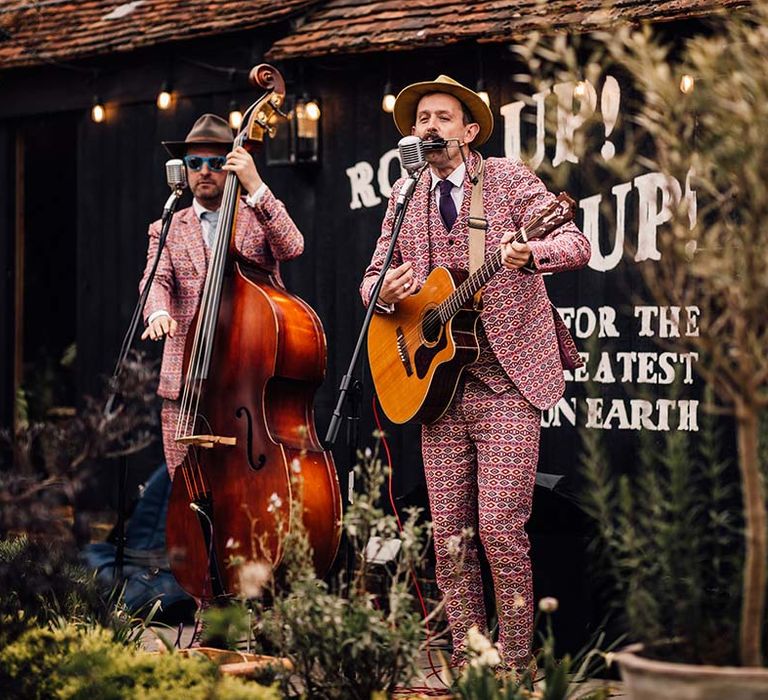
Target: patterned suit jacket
264	234
524	331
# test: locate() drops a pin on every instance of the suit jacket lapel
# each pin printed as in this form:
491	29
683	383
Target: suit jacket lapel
193	239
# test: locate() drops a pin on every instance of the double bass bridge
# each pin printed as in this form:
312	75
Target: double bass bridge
207	441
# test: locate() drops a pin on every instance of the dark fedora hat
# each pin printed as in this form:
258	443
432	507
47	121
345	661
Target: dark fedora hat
404	112
208	130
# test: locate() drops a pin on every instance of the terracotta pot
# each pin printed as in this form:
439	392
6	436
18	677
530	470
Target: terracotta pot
648	679
237	663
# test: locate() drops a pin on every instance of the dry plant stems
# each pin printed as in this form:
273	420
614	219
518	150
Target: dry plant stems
714	137
44	464
353	643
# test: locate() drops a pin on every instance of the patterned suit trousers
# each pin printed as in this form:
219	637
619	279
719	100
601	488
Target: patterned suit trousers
480	466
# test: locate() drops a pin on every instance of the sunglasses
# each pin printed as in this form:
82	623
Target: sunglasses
215	163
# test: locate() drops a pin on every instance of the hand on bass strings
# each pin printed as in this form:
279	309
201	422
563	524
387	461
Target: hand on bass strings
399	282
159	328
240	162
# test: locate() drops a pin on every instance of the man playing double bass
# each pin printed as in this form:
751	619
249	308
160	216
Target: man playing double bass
480	457
265	234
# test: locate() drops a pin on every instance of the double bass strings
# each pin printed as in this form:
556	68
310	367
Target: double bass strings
203	341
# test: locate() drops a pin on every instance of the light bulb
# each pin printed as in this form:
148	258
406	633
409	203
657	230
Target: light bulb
164	99
235	118
98	113
312	110
388	102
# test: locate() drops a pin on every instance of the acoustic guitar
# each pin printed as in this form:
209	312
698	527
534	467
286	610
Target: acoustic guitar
417	353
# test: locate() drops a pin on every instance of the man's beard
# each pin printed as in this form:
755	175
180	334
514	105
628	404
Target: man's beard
204	195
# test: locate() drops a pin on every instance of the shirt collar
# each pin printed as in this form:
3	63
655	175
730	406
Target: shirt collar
199	209
456	177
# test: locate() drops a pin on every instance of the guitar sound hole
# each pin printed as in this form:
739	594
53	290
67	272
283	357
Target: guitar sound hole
430	327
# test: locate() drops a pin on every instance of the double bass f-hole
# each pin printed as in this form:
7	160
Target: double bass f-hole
262	460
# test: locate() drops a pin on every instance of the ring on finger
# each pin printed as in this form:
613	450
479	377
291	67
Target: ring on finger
406	286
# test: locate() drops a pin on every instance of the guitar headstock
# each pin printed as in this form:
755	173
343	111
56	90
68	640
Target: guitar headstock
560	212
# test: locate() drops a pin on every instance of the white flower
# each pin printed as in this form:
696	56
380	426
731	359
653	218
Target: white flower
275	502
477	641
548	605
253	577
490	657
454	546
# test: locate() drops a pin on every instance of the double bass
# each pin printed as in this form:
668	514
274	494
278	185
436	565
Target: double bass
251	369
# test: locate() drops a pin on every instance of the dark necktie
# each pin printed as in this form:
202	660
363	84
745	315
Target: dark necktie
447	205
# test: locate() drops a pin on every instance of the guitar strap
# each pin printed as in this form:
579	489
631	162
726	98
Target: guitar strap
478	225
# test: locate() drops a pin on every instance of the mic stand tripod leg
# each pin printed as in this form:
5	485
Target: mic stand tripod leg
353	443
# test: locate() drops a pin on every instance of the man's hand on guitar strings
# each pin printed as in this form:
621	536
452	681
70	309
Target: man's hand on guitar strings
398	284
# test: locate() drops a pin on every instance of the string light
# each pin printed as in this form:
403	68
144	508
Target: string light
98	112
687	84
312	110
235	115
164	97
388	100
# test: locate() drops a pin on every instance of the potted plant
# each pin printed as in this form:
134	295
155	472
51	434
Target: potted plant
700	118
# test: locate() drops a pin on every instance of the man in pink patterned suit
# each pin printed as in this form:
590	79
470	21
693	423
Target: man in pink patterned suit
480	457
265	233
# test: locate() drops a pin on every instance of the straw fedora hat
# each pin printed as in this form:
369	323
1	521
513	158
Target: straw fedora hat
208	130
408	99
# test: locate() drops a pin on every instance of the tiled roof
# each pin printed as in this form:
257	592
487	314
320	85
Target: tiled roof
356	26
41	31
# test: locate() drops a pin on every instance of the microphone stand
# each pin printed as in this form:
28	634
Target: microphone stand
348	382
138	312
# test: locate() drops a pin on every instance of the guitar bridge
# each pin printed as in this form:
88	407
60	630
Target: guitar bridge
402	350
207	441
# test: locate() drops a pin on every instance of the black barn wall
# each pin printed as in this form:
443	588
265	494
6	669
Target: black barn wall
7	213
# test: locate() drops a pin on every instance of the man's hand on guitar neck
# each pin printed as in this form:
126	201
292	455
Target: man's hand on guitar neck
398	284
515	254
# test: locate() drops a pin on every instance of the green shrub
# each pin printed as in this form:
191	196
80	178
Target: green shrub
71	663
40	583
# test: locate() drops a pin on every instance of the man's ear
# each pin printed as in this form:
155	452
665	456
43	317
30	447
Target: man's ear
471	131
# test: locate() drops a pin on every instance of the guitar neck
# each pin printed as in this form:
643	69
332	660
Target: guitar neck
555	215
473	284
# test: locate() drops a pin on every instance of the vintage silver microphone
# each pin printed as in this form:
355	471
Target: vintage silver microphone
413	161
411	153
175	173
176	177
